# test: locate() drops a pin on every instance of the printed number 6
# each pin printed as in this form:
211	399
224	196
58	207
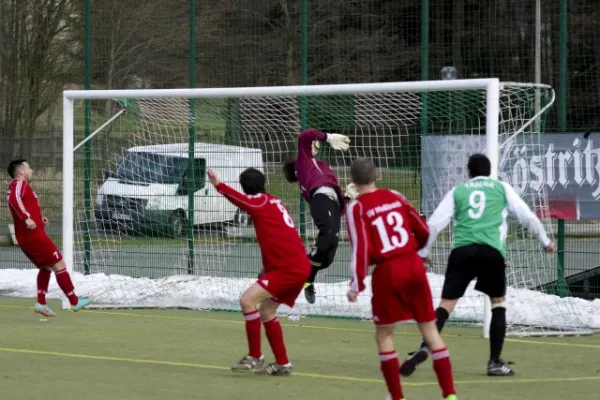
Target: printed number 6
286	216
477	204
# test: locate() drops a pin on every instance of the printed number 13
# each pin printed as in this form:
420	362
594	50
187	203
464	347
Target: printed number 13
391	242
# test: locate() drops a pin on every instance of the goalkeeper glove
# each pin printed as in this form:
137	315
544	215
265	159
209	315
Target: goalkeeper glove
338	142
351	192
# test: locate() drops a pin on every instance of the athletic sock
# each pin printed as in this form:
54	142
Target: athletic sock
275	337
441	318
497	332
253	333
390	368
443	370
43	281
64	282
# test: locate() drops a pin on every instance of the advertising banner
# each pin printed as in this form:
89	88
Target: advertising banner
564	167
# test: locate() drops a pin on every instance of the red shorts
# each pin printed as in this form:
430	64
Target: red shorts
401	292
42	252
284	287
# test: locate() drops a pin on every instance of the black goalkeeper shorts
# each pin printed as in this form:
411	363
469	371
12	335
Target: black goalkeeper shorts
326	215
475	261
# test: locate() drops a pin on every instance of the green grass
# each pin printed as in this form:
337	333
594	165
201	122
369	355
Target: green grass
180	354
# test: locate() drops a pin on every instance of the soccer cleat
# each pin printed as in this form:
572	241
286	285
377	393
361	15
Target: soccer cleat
43	310
276	370
310	293
389	397
248	363
413	360
499	368
451	397
83	302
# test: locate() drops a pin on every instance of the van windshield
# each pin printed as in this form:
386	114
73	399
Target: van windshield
151	168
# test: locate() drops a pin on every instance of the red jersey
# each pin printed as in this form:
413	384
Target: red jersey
280	244
312	173
382	225
23	203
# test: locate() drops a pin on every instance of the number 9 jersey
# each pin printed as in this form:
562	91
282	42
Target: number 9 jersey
383	225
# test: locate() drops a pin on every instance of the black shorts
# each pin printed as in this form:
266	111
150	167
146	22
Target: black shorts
326	215
475	261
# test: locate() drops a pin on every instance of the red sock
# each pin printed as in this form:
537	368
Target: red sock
275	336
253	333
390	367
443	370
64	282
43	281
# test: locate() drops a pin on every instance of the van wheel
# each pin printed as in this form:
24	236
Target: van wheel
176	224
241	218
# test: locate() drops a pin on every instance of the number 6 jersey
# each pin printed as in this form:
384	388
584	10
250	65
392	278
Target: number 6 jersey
382	225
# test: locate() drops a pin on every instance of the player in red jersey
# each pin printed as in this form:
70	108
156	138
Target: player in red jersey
385	230
35	243
285	264
320	188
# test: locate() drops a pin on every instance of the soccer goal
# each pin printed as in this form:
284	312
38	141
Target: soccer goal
142	227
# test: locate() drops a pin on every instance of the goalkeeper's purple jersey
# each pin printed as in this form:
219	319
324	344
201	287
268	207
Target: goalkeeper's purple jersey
312	173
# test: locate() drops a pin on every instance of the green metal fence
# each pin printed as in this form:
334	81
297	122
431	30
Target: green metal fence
159	44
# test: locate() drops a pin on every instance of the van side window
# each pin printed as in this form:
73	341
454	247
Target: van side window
200	172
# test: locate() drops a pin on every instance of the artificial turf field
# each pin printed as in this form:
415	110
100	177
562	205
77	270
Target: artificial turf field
181	354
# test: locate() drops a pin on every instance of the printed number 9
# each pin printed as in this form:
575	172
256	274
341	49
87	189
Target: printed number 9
286	216
477	204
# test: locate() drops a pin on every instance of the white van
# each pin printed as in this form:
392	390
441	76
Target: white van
150	191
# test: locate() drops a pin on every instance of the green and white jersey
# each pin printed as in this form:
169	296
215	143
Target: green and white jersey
480	207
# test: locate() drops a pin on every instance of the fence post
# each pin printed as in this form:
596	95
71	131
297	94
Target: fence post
562	125
191	185
87	190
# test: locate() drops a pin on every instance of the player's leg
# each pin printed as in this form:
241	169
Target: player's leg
421	304
441	359
43	282
274	332
326	215
389	364
249	301
459	274
63	278
492	281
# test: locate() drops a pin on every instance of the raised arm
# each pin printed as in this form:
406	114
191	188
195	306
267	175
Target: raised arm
526	217
439	220
305	141
15	199
250	204
357	233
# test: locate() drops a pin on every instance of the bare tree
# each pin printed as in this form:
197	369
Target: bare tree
37	45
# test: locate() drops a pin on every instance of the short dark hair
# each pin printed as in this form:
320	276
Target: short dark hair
363	171
14	165
479	165
289	171
253	181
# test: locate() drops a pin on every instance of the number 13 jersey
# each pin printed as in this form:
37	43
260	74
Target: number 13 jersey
382	225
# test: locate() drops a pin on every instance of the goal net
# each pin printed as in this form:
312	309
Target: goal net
144	228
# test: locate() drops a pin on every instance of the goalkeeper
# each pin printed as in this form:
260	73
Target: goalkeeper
321	189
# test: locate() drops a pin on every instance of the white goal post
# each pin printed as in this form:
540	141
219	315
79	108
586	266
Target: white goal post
488	120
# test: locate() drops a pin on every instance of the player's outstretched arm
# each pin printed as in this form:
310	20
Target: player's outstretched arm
527	218
360	257
247	203
308	136
438	221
